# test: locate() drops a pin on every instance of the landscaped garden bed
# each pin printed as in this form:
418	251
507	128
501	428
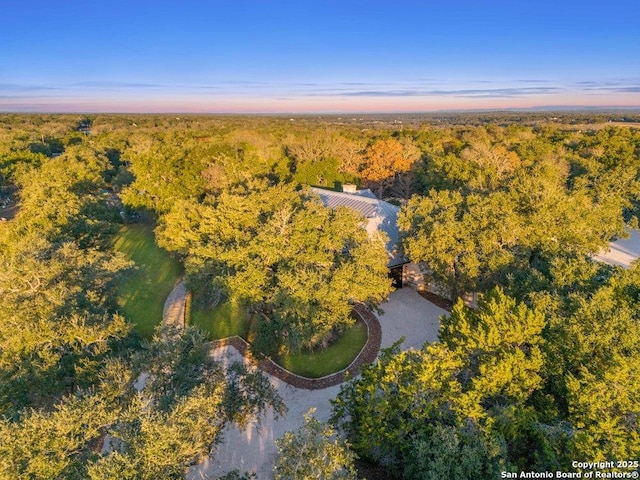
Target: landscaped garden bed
335	357
228	319
367	355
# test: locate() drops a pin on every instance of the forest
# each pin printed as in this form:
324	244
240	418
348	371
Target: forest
511	207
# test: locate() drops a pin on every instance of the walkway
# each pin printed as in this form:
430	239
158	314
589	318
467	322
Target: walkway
174	306
174	315
407	314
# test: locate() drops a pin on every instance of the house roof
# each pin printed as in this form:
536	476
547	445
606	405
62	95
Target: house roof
380	215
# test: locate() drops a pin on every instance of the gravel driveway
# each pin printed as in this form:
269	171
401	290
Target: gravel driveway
406	314
622	252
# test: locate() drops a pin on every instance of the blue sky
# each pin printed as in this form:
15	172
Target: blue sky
317	56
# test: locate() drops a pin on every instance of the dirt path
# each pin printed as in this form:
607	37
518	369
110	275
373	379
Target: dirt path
175	306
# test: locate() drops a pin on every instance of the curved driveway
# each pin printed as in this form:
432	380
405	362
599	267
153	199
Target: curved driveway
406	314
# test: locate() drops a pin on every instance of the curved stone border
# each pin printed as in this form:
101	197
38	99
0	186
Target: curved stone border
367	355
174	315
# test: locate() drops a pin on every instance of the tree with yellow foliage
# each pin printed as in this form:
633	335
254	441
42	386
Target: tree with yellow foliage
385	159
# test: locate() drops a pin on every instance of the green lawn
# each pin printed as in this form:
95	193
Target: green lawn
228	319
141	296
334	358
225	320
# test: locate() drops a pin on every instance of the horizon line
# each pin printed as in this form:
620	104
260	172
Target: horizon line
533	109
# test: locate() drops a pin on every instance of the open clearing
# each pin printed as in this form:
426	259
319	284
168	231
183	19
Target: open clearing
142	294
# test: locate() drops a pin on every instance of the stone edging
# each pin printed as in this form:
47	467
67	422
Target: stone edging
367	355
174	313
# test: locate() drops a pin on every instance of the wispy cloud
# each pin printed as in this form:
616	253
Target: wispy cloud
339	94
84	85
535	80
113	84
90	87
608	83
428	80
382	93
618	89
242	82
202	87
15	87
604	87
462	93
357	84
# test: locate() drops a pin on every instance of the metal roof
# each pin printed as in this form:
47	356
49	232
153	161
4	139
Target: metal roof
380	215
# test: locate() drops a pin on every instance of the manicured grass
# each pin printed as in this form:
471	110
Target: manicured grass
225	320
228	319
141	296
334	358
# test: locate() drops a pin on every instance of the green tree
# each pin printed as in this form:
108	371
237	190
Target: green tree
56	322
474	240
449	408
466	241
452	453
124	427
166	169
403	413
500	347
313	452
58	443
604	411
282	254
593	338
180	412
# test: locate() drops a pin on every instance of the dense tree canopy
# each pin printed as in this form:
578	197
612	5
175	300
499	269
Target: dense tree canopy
543	372
69	362
507	387
283	254
172	422
440	409
488	211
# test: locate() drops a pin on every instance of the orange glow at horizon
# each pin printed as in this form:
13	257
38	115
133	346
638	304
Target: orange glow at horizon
313	104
